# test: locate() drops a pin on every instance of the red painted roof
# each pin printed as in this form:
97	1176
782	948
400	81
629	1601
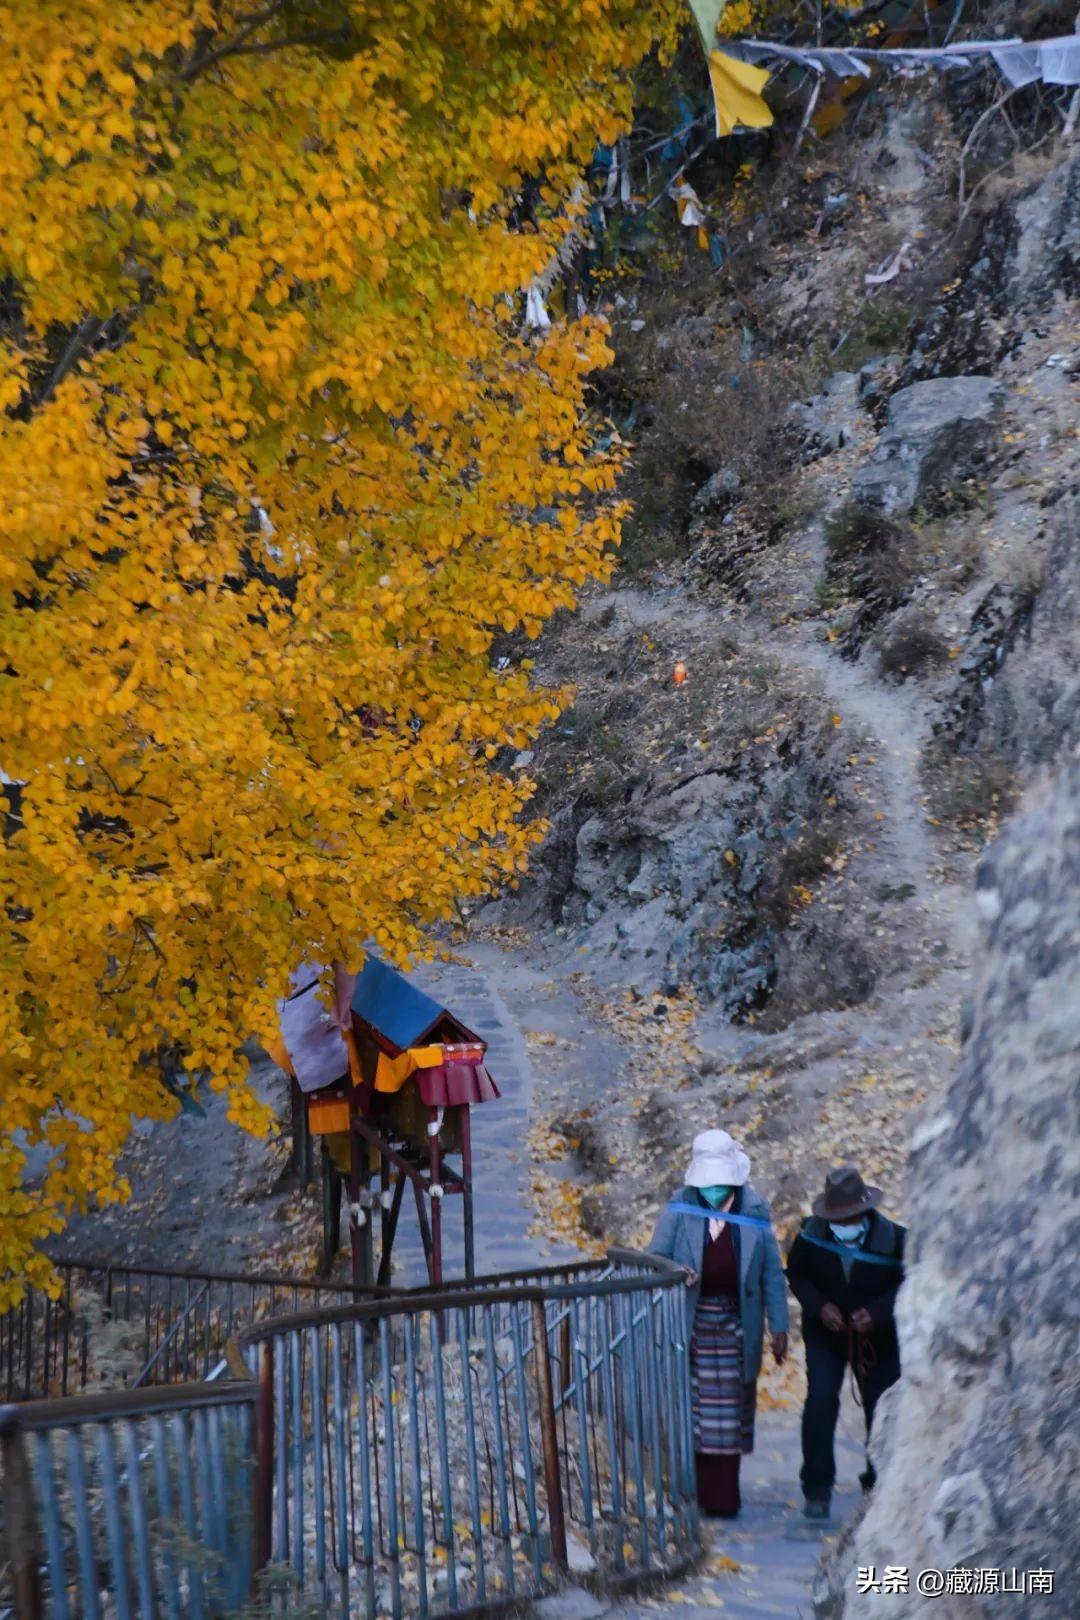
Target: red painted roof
450	1084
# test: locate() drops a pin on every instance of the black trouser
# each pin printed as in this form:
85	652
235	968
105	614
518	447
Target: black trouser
826	1363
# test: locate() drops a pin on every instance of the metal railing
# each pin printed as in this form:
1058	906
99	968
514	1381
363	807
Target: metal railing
438	1453
427	1454
139	1324
135	1504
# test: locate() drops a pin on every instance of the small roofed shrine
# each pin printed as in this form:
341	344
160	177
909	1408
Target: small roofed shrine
385	1077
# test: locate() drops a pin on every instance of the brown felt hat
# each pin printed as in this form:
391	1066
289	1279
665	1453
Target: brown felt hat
846	1194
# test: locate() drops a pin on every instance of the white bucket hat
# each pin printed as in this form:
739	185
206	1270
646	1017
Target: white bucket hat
717	1161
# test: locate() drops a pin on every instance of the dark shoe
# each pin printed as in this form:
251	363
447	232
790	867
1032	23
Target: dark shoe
816	1507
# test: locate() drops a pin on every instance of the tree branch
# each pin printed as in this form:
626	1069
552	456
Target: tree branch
85	334
995	106
200	56
322	36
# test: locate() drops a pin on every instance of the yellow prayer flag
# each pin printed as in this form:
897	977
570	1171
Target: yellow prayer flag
737	88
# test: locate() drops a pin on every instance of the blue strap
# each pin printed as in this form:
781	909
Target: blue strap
847	1251
719	1215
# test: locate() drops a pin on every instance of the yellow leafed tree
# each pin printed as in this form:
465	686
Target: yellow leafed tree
278	461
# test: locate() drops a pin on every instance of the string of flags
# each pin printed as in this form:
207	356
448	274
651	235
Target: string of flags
738	75
738	80
1020	62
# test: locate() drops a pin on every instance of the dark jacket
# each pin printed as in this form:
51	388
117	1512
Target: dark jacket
761	1275
817	1277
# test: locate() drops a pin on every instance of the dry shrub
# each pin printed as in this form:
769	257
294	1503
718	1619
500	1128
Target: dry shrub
697	400
870	558
911	646
795	867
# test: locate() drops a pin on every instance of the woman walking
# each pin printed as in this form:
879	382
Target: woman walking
717	1228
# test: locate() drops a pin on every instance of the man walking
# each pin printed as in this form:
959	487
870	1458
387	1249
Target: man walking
844	1267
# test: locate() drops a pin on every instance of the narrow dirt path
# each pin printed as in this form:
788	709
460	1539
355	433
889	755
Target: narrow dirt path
895	721
896	724
761	1566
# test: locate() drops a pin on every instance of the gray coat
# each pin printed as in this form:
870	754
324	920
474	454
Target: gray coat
762	1289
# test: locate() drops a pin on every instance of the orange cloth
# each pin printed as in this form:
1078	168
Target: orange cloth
277	1052
355	1072
392	1073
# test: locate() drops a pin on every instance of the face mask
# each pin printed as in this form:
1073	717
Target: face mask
714	1196
847	1234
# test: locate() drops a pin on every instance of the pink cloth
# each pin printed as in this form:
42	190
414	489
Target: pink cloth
344	985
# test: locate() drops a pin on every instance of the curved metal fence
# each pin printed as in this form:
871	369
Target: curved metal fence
130	1325
441	1452
141	1503
422	1454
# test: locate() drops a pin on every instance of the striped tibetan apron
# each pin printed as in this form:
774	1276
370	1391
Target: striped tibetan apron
723	1404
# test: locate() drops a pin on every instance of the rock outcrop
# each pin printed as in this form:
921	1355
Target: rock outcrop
682	883
978	1446
1024	259
936	434
1019	683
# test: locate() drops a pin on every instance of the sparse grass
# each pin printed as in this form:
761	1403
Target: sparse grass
790	875
113	1353
827	595
870	558
971	791
947	548
878	326
278	1597
792	511
855	531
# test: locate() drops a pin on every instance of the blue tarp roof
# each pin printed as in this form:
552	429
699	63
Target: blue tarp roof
391	1004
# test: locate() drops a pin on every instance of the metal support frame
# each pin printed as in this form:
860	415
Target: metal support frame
428	1170
467	1194
330	1187
361	1245
303	1154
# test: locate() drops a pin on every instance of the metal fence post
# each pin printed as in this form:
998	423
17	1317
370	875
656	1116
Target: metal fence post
549	1439
20	1519
263	1488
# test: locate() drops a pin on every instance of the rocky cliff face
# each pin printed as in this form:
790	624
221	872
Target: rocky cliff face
914	519
978	1445
763	876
